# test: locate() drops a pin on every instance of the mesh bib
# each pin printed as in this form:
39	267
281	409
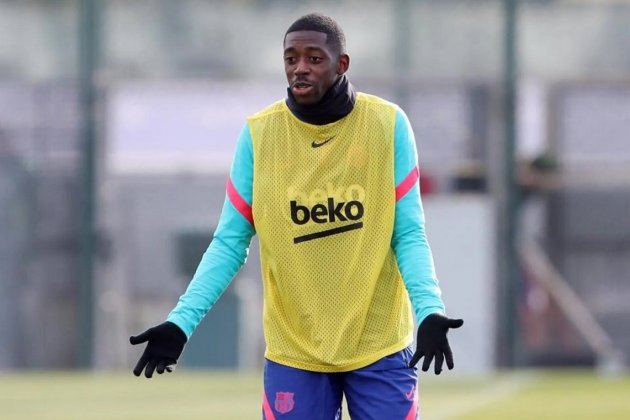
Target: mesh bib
323	207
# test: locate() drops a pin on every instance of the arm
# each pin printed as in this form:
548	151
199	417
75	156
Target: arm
414	257
224	257
409	239
229	248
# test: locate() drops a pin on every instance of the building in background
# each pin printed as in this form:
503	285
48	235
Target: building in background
176	82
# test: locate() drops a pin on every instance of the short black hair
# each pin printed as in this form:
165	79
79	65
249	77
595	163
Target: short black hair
321	23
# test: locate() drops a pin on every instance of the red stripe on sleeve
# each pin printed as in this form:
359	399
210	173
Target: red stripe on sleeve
239	203
407	183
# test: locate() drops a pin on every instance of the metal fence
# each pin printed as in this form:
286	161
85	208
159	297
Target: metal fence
40	193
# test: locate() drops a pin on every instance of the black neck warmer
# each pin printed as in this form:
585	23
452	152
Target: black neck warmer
336	103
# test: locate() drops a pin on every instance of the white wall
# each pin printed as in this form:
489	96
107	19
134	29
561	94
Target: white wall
461	232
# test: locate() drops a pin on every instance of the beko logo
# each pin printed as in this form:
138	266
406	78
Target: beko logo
320	213
334	204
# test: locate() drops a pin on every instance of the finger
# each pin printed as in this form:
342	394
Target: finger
449	357
148	372
454	323
428	358
161	366
439	361
140	338
415	358
165	365
144	359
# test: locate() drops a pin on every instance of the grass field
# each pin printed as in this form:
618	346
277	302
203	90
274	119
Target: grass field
229	396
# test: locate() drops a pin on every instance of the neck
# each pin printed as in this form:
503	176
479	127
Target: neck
336	103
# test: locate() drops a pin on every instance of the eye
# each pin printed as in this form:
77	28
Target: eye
315	59
289	60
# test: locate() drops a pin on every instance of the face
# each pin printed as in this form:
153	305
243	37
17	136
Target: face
311	65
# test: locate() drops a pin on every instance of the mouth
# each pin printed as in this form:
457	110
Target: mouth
301	87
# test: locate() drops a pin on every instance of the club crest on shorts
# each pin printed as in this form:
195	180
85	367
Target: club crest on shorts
284	402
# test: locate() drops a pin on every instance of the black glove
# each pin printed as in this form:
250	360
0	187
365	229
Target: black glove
432	342
165	344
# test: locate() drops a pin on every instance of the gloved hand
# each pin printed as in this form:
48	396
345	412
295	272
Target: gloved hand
432	342
165	344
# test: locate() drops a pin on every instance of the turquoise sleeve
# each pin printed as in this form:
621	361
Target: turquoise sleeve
229	247
409	239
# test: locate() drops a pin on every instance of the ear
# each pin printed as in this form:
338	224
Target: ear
343	63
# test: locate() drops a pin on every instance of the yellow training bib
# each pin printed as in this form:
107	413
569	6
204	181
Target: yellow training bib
323	207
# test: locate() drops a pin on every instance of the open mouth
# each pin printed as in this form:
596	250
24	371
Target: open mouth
301	87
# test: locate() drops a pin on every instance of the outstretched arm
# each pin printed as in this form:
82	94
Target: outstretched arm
224	257
413	253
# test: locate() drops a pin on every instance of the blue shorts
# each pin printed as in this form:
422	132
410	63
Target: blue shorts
386	389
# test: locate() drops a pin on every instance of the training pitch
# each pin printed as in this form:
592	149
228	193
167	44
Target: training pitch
230	396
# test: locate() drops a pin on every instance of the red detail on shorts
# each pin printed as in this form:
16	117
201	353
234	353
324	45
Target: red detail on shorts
407	183
267	408
239	203
411	394
413	411
284	402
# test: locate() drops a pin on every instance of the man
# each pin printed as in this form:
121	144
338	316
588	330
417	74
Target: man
328	179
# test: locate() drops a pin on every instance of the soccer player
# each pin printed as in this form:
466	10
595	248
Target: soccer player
328	180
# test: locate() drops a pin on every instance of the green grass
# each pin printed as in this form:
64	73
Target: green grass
227	396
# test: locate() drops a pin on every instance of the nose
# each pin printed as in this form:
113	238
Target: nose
302	67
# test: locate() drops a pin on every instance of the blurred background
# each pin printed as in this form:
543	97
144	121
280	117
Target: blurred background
118	120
